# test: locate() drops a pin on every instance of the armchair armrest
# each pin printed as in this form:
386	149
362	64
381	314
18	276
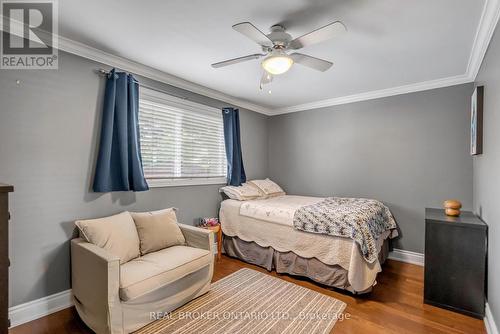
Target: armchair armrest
95	277
198	237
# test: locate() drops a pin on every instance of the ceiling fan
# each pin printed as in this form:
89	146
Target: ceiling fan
278	43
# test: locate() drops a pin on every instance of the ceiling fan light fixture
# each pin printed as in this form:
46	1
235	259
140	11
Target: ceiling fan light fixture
277	63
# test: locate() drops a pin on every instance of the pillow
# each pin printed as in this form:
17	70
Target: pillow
244	192
116	234
157	230
268	188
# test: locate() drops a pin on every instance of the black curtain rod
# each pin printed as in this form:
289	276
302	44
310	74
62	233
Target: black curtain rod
101	71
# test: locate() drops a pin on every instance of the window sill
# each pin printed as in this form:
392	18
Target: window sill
160	183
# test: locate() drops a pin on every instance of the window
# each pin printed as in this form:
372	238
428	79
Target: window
182	142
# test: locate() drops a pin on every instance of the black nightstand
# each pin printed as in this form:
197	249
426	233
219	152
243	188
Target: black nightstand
455	262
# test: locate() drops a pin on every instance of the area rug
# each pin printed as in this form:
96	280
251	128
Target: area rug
249	301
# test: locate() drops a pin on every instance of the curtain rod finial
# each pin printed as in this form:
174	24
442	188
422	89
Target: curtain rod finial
101	71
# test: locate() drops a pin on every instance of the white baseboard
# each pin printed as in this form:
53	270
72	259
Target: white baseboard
418	259
42	307
407	256
35	309
39	308
489	321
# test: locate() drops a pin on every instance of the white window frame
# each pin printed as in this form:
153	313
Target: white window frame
187	105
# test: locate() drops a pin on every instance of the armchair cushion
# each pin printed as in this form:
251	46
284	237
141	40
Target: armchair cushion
155	270
116	234
157	230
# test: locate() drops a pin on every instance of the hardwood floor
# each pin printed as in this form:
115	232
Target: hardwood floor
394	306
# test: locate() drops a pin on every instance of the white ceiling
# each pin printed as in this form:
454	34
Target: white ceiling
389	43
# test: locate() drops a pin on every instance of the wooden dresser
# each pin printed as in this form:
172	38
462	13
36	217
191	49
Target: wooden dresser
455	262
4	257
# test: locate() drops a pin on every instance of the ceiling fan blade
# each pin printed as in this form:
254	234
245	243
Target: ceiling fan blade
265	79
237	60
312	62
319	35
250	31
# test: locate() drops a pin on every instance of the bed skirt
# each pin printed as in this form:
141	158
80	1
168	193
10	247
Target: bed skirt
290	263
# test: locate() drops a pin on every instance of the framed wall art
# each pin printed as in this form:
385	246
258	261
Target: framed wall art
476	123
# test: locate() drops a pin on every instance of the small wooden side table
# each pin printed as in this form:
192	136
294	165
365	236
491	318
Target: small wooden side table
218	231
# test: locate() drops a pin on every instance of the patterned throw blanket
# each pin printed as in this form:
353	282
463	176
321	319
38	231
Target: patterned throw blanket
362	220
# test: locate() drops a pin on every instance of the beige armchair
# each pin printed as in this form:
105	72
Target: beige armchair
120	298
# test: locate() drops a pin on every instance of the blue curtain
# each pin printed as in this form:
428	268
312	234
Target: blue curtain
119	163
235	170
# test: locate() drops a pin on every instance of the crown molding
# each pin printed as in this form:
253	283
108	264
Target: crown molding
484	33
88	52
486	27
83	50
376	94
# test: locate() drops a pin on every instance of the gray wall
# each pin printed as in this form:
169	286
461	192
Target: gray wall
48	137
487	169
409	151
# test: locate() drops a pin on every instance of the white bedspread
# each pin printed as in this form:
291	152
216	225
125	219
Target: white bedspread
272	225
278	210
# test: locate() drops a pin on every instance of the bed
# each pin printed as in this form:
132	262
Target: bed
262	231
